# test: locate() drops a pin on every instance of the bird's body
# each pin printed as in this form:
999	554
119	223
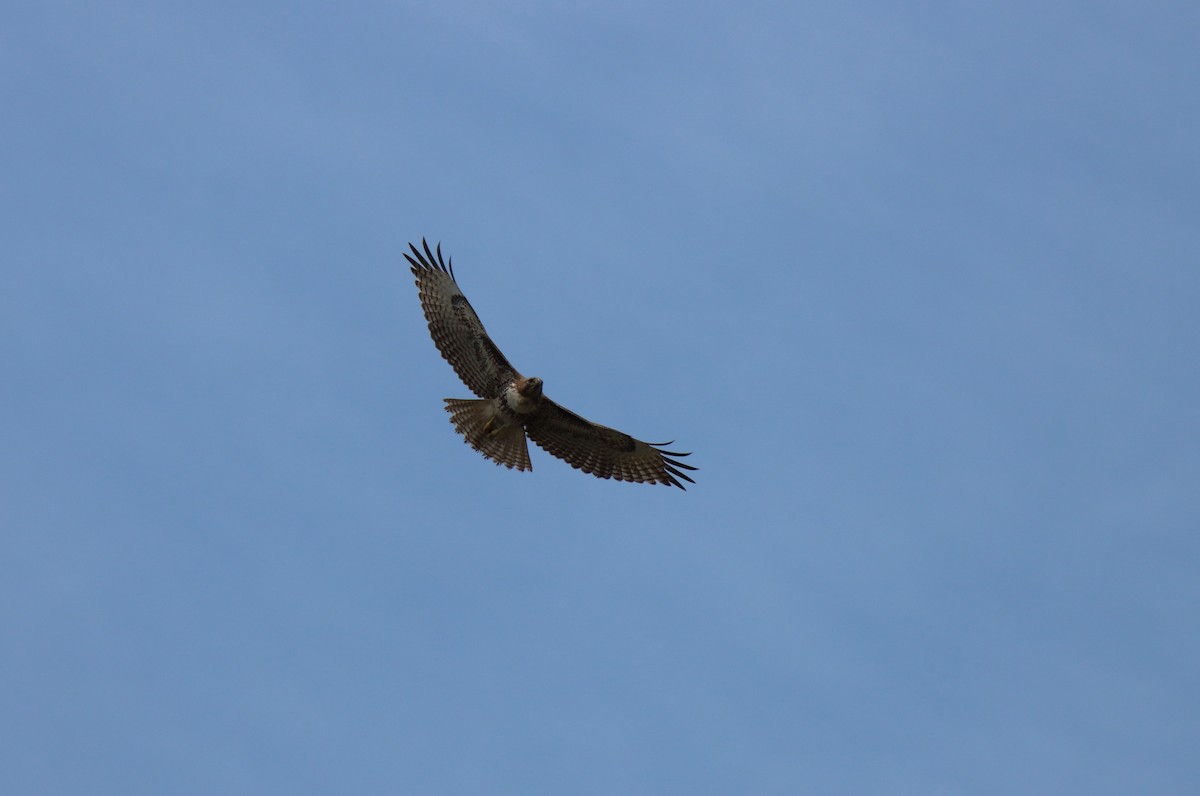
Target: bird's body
511	406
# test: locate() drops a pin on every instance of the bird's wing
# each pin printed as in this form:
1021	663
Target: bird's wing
456	329
602	451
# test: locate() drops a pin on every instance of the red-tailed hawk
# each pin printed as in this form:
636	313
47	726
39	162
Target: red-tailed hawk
511	405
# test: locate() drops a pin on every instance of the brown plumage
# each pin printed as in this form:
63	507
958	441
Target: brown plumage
511	406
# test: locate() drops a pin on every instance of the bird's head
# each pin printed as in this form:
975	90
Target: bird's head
532	388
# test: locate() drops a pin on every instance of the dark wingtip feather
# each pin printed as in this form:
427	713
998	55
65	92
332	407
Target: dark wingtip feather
428	261
672	471
428	253
447	265
670	468
418	265
671	453
665	453
672	481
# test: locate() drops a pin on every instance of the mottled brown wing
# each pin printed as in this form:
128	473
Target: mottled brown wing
456	329
601	451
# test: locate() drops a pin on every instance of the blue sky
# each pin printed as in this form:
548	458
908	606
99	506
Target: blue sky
917	283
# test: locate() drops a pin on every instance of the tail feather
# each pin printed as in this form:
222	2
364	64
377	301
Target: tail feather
489	432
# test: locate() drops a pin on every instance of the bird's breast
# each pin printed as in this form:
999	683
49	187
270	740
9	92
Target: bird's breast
518	403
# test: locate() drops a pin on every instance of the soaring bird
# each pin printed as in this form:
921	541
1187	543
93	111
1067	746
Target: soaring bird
511	406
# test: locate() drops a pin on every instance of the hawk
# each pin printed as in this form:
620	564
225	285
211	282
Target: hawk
510	405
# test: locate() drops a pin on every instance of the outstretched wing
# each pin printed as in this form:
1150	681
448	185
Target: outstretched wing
456	329
601	451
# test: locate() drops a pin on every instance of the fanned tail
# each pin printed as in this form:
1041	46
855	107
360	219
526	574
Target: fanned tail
489	432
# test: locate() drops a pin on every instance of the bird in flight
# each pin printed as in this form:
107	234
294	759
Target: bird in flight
511	406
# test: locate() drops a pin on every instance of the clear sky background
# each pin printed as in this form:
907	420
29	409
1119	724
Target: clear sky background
918	283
